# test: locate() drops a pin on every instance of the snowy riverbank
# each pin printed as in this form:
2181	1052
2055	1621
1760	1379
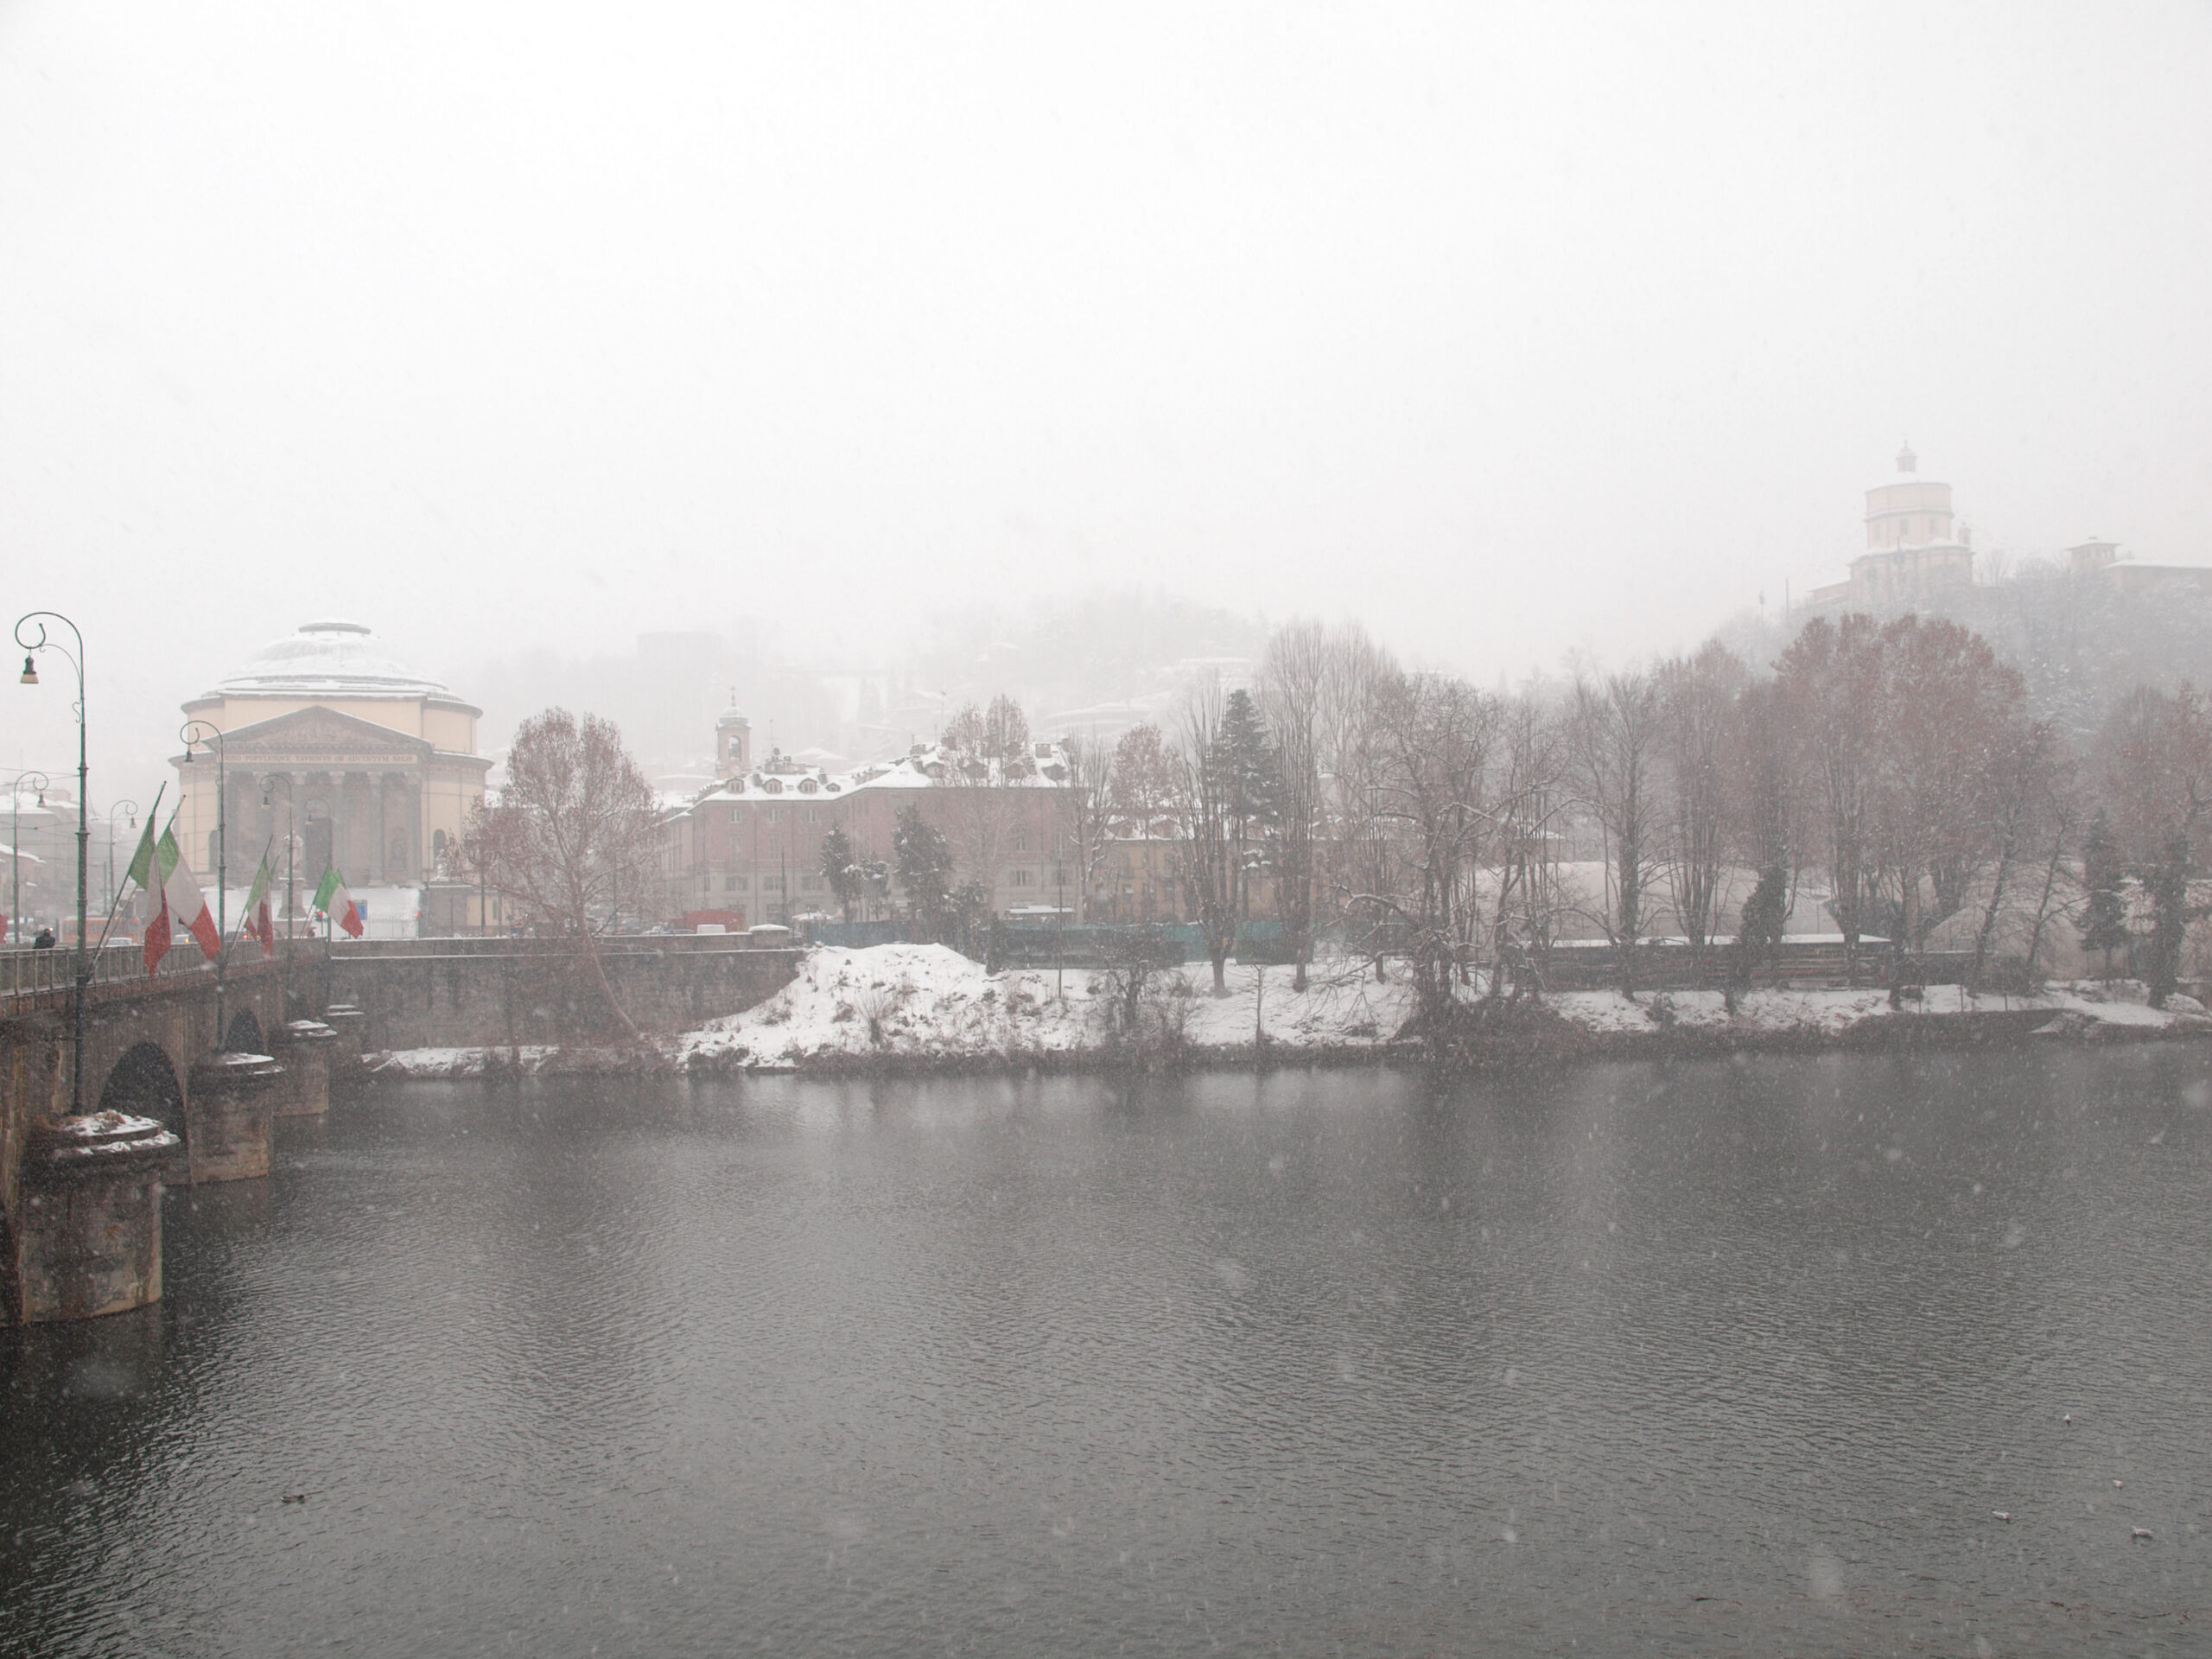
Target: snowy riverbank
915	1008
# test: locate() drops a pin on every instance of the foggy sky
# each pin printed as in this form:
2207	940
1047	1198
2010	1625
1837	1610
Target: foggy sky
1513	330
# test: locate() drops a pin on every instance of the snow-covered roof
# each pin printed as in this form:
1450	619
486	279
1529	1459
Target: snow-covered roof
780	779
326	660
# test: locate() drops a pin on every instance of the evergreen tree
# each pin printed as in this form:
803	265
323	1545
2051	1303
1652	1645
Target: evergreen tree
1760	932
1249	763
924	861
847	879
2104	918
1249	771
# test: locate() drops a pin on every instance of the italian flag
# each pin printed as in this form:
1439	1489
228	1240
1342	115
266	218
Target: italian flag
334	901
159	869
257	924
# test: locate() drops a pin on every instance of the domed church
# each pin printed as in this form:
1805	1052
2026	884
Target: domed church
377	764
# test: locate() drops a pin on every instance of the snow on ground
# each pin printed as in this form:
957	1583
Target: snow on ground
429	1063
928	1002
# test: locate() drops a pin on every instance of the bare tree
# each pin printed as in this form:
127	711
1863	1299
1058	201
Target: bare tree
1292	676
1531	797
2157	748
2063	812
1830	680
964	733
1362	857
1614	736
1765	811
1005	731
1084	804
1147	776
1698	698
1433	737
2019	792
978	821
1205	846
1944	706
572	836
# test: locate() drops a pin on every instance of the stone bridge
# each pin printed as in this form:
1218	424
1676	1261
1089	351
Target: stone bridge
80	1200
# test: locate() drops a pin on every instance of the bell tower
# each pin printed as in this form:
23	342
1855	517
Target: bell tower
733	742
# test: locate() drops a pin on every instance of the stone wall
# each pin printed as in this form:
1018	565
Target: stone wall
475	994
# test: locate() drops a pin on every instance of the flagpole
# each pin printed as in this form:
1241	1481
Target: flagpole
260	870
153	817
160	871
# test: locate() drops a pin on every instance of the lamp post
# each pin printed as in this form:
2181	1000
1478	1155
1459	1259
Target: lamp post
193	732
15	845
130	807
31	648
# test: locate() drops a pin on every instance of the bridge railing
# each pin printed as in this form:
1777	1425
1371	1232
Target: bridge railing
45	977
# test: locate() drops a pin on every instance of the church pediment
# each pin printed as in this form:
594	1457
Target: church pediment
314	737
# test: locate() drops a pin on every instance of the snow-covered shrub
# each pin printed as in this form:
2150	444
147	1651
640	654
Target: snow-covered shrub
878	1003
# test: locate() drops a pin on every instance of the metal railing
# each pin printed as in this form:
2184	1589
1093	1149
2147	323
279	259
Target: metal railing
48	978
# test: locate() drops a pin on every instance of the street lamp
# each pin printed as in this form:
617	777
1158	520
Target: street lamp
31	648
130	807
15	845
198	731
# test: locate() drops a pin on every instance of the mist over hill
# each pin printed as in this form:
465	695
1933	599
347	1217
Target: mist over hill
1098	662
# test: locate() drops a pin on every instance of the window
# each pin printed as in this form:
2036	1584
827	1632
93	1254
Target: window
1025	878
773	814
810	883
813	815
771	884
735	883
1020	842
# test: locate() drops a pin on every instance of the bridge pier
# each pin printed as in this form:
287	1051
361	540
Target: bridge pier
92	1216
229	1108
304	1048
352	1026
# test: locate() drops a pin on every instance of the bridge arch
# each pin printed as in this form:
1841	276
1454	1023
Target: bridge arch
244	1035
143	1083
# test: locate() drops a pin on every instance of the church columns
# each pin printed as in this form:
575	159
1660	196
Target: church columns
295	853
341	825
376	817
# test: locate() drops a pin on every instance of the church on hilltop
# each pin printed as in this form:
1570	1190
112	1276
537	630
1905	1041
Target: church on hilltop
328	737
1914	550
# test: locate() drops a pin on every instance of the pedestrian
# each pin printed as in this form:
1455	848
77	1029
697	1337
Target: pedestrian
44	941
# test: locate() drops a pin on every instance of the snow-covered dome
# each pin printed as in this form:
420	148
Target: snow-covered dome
327	659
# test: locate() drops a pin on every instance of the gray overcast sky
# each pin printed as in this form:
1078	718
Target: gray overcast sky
1511	329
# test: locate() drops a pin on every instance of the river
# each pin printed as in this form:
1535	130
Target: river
1723	1358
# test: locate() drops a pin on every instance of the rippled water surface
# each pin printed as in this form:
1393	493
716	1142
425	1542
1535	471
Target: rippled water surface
1713	1358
